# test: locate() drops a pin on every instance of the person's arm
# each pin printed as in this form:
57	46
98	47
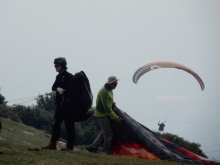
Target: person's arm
54	87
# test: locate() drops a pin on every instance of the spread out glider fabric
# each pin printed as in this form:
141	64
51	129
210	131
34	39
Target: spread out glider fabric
135	140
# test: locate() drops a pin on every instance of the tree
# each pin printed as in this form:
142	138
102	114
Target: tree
6	112
2	99
46	102
34	116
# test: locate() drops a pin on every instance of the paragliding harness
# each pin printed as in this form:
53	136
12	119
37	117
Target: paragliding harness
161	126
83	97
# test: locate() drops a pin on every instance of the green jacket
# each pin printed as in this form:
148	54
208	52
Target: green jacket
104	103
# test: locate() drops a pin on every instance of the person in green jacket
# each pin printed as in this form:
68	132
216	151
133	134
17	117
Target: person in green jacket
104	113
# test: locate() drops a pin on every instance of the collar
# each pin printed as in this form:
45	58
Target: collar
63	72
107	86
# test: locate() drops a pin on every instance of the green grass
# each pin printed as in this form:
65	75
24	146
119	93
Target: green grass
19	137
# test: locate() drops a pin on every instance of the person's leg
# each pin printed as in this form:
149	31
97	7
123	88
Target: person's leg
98	141
58	119
55	135
105	136
56	130
107	133
70	133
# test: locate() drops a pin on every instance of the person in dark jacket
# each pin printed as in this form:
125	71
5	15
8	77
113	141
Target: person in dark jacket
161	126
63	91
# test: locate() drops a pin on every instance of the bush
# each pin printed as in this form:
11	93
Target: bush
7	113
34	116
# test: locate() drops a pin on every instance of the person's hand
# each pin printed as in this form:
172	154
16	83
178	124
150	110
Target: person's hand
119	120
52	93
60	90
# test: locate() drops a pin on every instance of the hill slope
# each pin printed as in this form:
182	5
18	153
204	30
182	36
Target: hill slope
22	135
17	138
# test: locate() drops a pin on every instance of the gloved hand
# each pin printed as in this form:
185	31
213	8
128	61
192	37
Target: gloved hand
60	90
52	93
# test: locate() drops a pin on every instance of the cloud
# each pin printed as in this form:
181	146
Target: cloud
171	97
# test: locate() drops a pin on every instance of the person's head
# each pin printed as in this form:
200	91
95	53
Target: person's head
113	82
60	64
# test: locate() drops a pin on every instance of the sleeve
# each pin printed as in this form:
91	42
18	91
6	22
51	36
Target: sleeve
54	87
107	104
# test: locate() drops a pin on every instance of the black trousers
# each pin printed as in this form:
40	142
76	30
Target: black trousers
63	115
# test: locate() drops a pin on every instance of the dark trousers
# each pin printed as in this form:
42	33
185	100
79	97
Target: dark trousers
60	116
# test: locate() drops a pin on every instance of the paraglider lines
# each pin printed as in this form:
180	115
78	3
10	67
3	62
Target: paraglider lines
33	97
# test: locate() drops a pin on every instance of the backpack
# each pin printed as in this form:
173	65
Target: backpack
83	97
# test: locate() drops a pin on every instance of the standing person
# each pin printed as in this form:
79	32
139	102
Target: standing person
103	112
62	89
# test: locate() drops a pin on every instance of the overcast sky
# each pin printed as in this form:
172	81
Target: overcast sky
105	38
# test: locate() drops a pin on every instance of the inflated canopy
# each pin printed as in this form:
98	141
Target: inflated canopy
156	65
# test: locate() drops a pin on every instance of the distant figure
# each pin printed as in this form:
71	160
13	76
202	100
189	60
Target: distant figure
161	126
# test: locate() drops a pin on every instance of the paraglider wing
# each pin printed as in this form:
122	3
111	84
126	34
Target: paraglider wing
135	140
156	65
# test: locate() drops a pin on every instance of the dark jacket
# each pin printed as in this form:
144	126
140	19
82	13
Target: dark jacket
65	81
65	102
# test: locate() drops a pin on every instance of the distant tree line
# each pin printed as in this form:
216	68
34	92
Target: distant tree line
41	115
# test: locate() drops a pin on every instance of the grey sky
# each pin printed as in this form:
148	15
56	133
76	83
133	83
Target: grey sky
106	38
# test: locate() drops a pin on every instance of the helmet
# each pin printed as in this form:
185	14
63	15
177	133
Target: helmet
61	61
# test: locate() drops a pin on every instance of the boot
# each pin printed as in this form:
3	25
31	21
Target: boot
50	146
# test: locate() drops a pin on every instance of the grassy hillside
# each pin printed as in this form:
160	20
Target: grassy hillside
22	135
17	138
